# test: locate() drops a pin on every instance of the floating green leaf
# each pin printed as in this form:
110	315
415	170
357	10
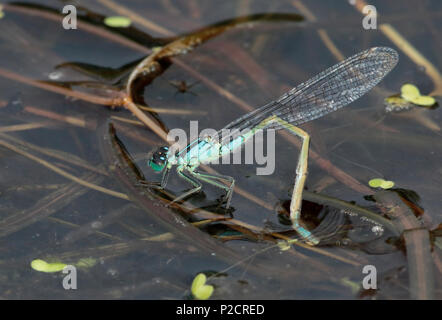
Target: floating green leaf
424	101
380	183
411	93
117	22
375	183
387	184
200	289
2	14
43	266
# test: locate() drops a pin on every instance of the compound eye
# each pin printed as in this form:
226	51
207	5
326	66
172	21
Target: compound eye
158	162
159	158
162	152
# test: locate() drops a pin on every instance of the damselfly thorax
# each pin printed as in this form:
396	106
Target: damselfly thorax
209	149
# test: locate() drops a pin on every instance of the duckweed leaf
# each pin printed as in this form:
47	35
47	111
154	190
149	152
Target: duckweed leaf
117	22
387	184
375	183
411	93
381	183
424	101
200	289
43	266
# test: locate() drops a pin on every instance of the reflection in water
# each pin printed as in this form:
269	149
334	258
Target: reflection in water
48	142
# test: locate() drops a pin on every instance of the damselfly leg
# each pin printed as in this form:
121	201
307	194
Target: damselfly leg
193	177
190	178
301	175
156	185
211	178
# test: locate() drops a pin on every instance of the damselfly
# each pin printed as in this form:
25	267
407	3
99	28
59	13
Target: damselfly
328	91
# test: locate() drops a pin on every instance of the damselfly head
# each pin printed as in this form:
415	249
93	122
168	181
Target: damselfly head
158	161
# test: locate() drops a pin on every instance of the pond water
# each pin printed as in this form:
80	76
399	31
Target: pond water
62	200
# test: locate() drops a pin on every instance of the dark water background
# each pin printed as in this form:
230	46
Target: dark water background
256	63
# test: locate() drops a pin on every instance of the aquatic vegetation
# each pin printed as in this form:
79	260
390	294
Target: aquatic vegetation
381	183
117	22
43	266
260	241
412	94
200	290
